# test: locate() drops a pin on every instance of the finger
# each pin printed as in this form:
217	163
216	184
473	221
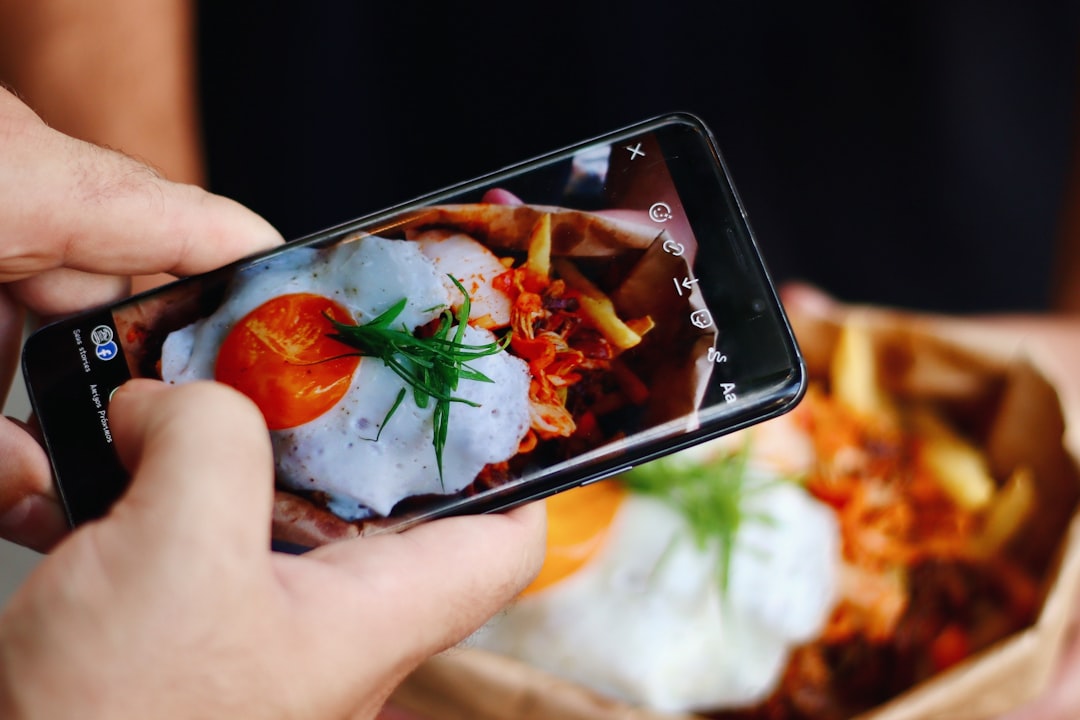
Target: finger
498	196
30	514
63	291
1061	700
76	205
201	466
141	283
11	331
806	299
392	712
428	588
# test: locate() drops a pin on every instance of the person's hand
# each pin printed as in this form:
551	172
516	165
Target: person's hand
75	221
174	607
1055	340
1061	701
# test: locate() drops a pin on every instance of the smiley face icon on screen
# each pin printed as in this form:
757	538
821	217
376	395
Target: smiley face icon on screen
701	319
660	212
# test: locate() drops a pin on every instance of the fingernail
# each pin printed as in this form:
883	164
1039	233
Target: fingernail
34	521
16	515
142	386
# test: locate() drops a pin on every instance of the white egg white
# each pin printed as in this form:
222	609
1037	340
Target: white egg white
337	453
366	276
647	621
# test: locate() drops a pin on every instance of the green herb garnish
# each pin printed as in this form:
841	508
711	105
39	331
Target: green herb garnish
710	496
432	366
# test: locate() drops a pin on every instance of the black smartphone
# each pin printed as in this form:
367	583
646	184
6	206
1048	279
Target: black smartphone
545	326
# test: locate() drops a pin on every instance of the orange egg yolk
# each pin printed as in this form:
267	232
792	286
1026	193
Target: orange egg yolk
578	523
281	356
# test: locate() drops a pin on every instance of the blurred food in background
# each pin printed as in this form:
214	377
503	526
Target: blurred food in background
816	566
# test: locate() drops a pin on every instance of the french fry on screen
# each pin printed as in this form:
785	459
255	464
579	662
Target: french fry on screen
539	258
641	325
598	307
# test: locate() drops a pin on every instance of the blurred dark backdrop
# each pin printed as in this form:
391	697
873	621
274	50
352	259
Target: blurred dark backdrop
910	153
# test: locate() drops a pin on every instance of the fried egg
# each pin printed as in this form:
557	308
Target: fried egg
327	408
629	604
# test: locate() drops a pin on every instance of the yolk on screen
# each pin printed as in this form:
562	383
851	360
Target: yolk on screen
578	523
281	356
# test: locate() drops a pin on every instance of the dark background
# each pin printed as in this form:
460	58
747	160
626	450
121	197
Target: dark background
909	153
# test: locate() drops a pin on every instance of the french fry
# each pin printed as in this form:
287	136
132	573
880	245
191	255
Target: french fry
1010	508
598	307
853	373
958	465
539	258
641	325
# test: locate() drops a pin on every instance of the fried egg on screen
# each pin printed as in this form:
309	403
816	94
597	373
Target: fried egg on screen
325	407
632	608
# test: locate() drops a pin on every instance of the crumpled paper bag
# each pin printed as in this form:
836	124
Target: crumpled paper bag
1012	395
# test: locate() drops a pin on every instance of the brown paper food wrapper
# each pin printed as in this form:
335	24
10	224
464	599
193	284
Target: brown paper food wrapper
1009	396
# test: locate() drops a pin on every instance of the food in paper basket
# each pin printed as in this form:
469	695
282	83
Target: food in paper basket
916	581
442	356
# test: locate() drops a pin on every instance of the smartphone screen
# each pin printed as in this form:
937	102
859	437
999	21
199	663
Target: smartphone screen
547	325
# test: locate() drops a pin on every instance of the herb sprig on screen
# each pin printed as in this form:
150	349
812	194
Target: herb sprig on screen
710	496
432	366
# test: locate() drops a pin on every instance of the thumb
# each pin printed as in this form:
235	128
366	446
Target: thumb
30	514
201	465
446	577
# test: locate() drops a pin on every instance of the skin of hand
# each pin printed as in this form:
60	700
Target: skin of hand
1055	338
75	221
174	607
